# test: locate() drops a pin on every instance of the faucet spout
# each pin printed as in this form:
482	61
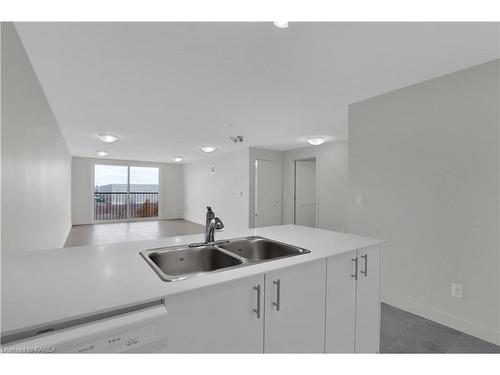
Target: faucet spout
215	224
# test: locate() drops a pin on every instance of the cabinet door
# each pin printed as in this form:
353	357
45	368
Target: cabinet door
368	301
341	303
295	309
218	319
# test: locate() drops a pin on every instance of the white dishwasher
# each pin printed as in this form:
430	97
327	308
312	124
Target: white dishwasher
140	331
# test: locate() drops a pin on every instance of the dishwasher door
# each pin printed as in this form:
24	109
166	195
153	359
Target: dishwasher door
142	331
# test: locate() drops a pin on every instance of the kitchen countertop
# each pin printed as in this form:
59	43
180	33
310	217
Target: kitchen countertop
49	286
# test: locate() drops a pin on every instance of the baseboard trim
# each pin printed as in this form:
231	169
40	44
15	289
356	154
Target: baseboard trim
443	317
93	222
68	230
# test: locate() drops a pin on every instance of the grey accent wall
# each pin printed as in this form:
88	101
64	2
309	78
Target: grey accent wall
36	164
424	162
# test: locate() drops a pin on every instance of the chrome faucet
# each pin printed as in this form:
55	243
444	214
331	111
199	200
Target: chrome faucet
212	224
215	224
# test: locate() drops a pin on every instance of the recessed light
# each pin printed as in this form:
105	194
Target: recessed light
108	138
177	159
208	148
102	153
316	141
281	24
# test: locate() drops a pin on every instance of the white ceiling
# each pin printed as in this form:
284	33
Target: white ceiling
168	88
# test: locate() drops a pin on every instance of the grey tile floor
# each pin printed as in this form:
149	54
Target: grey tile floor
403	332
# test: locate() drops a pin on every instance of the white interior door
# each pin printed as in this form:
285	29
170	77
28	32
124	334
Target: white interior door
305	192
267	193
295	309
368	301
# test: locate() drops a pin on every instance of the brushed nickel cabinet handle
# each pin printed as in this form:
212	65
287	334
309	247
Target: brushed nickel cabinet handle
257	310
278	296
365	272
355	274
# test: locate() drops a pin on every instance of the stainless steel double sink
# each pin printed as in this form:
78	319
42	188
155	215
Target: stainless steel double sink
182	262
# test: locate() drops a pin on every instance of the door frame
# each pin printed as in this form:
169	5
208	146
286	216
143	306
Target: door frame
294	184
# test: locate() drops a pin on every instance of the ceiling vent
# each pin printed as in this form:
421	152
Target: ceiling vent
237	139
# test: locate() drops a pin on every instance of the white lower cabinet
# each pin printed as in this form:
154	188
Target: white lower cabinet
341	304
218	319
295	309
284	311
353	302
368	301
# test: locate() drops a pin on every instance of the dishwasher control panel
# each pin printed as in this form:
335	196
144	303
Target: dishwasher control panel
123	341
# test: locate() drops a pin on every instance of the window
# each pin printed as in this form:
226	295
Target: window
124	192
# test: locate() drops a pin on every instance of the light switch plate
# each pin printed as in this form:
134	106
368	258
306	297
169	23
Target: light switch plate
457	290
360	199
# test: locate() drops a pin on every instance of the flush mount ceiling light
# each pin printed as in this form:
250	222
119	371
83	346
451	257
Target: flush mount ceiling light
177	159
316	141
208	148
281	24
102	153
108	138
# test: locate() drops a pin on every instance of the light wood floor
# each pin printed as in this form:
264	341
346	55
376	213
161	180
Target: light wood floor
81	235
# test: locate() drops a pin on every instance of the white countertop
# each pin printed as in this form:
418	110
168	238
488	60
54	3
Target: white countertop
49	286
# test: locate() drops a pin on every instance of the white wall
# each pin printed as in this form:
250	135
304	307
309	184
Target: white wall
226	190
171	195
36	164
426	158
258	154
331	183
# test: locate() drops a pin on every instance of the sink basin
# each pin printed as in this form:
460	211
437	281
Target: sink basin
261	249
179	263
182	262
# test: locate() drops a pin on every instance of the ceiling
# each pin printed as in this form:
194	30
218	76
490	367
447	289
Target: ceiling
168	88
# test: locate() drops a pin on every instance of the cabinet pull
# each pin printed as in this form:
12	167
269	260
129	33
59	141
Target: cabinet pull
365	272
257	310
278	291
355	274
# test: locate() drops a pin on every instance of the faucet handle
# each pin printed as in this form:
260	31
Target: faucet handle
218	224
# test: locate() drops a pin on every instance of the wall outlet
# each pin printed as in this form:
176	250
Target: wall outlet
457	290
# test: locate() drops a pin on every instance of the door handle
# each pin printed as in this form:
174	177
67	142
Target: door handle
365	272
278	296
257	310
355	275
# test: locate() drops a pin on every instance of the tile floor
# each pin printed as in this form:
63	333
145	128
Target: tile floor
403	332
81	235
